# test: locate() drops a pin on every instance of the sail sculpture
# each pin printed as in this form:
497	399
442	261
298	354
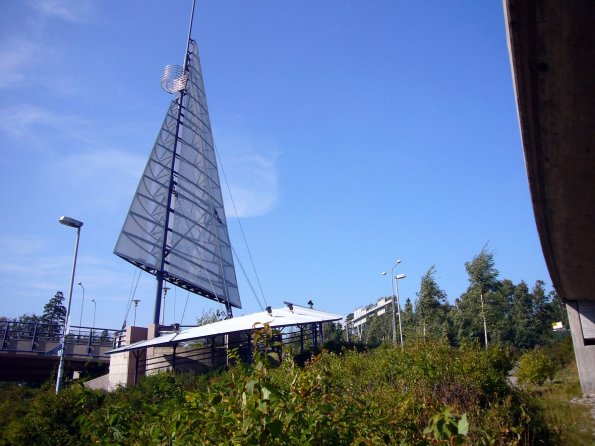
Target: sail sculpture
176	227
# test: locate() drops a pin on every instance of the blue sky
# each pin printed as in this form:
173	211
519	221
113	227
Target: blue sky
353	133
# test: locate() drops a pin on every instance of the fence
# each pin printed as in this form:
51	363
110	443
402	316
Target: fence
36	337
217	351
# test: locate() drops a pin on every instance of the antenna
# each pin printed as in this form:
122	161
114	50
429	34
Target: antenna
165	250
189	35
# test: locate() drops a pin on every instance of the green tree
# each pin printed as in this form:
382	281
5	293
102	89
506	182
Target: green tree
408	320
332	332
499	313
522	317
54	313
378	328
543	316
432	307
483	280
454	316
466	319
557	309
210	316
24	326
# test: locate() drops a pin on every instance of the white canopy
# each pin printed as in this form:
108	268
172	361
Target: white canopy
278	317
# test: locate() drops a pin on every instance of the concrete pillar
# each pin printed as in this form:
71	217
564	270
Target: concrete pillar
153	331
122	366
581	316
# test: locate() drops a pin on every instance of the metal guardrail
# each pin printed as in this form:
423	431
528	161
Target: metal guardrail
36	337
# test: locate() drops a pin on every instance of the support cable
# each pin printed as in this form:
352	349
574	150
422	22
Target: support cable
220	163
258	301
132	293
185	305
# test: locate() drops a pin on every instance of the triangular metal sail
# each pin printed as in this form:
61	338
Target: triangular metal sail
176	227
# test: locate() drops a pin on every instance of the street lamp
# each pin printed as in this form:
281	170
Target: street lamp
94	312
397	278
71	222
136	301
165	290
392	284
82	305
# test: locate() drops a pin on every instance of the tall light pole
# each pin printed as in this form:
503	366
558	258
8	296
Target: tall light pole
82	305
94	312
392	284
136	301
165	290
397	278
71	222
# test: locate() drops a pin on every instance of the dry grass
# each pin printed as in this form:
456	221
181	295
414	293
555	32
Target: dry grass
570	422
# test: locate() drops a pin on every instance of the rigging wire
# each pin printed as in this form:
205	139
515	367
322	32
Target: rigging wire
185	305
233	203
131	295
235	254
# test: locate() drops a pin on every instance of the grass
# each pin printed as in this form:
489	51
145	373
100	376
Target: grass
570	422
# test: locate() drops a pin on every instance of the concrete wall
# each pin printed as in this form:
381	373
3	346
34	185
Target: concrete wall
581	316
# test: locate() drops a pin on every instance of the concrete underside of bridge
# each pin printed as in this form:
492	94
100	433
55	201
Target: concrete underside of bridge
552	49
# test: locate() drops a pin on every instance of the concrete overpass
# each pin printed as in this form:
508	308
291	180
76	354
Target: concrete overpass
29	351
552	50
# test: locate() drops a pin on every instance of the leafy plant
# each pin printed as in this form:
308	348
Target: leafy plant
448	428
535	367
428	393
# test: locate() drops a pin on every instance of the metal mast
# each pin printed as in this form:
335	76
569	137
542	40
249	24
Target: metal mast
176	227
172	183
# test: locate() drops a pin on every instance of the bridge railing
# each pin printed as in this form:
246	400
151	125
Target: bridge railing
36	337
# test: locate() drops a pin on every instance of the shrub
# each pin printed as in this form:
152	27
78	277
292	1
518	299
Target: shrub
428	393
535	367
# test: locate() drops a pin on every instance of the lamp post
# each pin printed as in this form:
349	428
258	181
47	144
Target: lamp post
136	301
82	305
71	222
165	290
94	312
392	284
397	278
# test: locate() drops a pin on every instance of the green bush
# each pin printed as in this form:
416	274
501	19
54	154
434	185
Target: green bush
535	367
428	393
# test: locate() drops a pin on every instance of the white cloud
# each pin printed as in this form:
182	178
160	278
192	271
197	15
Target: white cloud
42	129
31	271
16	57
106	177
20	246
253	180
26	58
19	121
70	11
